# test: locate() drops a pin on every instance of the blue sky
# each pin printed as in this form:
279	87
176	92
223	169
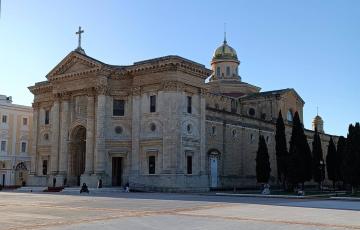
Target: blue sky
310	45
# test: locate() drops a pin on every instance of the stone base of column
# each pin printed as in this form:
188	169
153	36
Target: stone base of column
60	180
34	180
90	180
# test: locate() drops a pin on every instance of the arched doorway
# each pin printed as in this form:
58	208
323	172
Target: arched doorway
21	174
77	155
214	155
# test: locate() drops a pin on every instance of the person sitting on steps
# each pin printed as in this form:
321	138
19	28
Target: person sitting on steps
84	188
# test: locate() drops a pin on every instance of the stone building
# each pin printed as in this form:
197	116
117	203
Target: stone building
15	142
156	124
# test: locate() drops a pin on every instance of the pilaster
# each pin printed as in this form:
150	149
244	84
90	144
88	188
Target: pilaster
90	129
100	129
55	123
63	156
33	168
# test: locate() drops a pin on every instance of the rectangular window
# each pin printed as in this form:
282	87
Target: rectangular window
152	104
47	117
4	119
189	164
233	105
23	147
189	107
151	164
227	70
218	71
119	108
25	121
3	146
45	167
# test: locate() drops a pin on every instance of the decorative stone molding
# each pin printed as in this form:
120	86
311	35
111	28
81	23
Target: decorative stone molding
102	89
136	91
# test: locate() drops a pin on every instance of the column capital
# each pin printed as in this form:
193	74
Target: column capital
102	89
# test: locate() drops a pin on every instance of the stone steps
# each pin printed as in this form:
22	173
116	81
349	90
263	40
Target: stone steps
76	190
31	189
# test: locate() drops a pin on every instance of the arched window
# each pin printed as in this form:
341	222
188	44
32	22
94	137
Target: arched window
218	71
227	70
290	115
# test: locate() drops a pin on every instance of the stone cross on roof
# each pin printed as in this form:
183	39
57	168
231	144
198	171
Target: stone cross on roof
79	49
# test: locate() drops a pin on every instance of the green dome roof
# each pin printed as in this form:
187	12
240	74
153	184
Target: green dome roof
225	52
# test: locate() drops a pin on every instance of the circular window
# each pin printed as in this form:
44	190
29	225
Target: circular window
189	128
46	136
118	130
252	112
152	127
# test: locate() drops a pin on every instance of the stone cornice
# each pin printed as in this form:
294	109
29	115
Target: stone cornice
169	63
40	88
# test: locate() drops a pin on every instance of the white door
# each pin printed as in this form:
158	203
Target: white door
213	172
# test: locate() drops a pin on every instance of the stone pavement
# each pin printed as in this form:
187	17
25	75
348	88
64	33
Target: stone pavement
171	211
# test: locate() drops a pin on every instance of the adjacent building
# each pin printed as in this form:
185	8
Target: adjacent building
15	142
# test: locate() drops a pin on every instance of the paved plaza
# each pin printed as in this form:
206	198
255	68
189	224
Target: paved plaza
172	211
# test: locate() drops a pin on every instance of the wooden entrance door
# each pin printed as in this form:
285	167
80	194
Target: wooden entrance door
116	171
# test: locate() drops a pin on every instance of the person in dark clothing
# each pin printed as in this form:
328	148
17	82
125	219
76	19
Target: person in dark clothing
84	188
54	182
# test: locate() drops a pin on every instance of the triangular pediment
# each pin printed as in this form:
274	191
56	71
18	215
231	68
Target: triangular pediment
74	64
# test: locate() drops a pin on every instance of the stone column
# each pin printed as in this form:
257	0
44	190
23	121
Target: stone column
135	132
64	132
54	158
33	168
100	130
90	128
203	157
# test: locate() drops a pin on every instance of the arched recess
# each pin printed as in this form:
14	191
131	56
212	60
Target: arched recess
214	156
21	174
77	154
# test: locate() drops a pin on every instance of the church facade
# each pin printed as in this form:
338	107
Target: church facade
156	124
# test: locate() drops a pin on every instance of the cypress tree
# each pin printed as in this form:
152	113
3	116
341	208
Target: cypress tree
352	157
281	149
340	153
331	164
300	160
317	159
262	162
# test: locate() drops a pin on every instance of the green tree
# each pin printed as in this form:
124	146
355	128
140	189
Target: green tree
300	160
317	159
281	150
351	162
262	162
340	153
331	164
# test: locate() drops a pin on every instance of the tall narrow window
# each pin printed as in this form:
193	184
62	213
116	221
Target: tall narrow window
3	146
189	164
218	71
237	71
227	70
152	103
4	119
23	147
151	164
47	117
25	121
189	106
233	106
45	167
118	107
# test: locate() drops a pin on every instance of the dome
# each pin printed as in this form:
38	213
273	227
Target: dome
317	119
225	52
